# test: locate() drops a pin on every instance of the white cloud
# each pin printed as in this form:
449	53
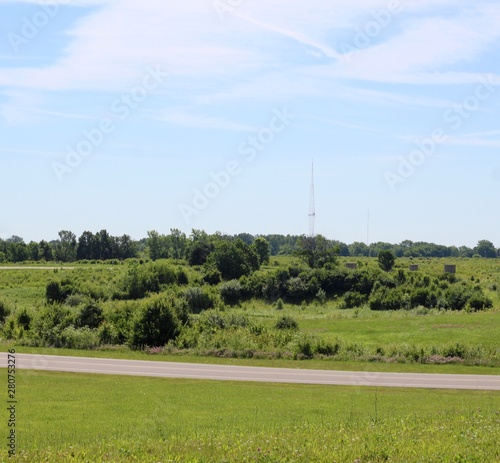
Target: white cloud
190	120
263	50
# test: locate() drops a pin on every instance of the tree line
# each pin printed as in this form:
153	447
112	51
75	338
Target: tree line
198	245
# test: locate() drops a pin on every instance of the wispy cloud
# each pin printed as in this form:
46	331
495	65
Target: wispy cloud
28	152
202	122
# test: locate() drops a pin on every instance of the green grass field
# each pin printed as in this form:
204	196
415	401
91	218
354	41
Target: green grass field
76	418
397	335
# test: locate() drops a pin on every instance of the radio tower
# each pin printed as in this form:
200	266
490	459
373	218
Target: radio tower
312	208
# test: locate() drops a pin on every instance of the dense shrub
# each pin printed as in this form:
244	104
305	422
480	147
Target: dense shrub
198	299
297	290
286	323
354	299
117	327
50	323
90	316
456	297
231	292
58	291
149	278
4	311
79	338
155	325
478	301
425	297
211	276
109	334
182	277
386	299
24	319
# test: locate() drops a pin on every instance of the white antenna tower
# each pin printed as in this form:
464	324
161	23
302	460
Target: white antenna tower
368	234
312	207
368	229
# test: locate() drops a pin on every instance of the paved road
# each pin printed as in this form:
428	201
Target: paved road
24	267
241	373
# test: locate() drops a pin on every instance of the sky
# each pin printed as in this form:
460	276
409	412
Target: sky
208	114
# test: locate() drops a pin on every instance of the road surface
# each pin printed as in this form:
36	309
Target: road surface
24	267
242	373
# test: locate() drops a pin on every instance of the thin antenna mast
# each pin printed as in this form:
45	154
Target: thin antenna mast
368	229
368	234
312	206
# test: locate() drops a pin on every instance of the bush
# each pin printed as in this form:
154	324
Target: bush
24	319
478	301
212	276
386	260
109	334
79	338
457	297
58	291
4	311
304	348
49	324
198	299
74	300
155	325
182	277
354	299
297	290
286	323
165	274
231	292
386	299
321	296
90	316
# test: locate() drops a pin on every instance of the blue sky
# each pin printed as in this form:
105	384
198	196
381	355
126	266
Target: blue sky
207	114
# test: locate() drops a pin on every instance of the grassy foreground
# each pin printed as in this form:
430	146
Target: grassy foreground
98	418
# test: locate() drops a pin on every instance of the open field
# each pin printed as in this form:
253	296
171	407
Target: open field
72	417
359	335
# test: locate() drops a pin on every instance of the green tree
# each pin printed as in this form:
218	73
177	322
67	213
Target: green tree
317	251
86	246
46	252
358	249
233	259
177	244
127	248
261	246
65	250
16	249
200	246
33	250
486	249
386	260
